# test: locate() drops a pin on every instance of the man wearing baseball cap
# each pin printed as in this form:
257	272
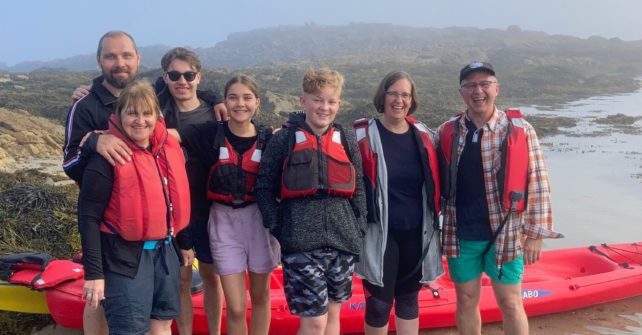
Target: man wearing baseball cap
481	233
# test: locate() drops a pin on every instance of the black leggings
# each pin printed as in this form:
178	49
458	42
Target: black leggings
403	253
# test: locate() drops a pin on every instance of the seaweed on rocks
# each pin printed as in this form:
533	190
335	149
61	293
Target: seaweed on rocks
35	216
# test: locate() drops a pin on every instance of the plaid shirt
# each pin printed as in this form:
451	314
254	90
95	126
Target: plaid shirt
535	222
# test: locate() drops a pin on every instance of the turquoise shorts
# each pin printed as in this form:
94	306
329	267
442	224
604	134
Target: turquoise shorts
470	264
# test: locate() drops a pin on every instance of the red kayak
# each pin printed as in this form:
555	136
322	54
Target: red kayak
563	280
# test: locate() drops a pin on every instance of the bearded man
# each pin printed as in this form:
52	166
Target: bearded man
118	59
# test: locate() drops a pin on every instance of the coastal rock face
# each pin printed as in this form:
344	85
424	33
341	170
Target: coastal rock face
25	138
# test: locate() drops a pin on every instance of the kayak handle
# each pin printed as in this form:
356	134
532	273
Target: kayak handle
435	292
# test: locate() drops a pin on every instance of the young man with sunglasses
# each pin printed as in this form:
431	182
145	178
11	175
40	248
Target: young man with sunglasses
481	233
181	107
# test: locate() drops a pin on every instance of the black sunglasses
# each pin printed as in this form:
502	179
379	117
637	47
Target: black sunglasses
175	75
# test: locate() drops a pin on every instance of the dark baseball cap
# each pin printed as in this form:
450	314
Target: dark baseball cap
475	66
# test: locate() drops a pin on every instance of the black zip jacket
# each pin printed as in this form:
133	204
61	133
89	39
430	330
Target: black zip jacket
309	223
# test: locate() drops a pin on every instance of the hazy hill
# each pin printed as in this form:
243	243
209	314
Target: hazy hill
533	67
377	42
150	58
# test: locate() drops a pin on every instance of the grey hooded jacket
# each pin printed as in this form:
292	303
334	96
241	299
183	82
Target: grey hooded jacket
370	266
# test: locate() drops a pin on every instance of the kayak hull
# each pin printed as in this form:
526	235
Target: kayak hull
563	280
22	299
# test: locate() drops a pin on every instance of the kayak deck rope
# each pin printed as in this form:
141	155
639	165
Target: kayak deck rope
621	252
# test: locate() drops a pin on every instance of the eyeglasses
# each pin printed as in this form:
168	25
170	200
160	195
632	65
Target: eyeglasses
404	96
176	76
486	84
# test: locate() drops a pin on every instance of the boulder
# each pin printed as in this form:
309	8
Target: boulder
25	139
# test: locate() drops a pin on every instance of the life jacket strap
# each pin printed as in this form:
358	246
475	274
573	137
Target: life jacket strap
153	244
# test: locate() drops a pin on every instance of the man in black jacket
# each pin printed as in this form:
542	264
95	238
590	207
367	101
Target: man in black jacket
118	59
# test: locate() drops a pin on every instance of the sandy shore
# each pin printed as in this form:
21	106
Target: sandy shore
616	318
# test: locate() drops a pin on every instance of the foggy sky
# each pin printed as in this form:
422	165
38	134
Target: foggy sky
46	30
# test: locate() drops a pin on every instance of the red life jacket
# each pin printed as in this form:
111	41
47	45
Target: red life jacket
142	186
231	179
317	165
513	175
369	159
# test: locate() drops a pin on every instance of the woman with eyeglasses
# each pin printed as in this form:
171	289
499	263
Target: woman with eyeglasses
128	216
401	248
241	246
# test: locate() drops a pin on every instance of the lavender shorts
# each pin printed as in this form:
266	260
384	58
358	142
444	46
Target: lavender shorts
239	242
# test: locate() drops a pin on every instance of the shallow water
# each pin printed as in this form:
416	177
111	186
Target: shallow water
596	172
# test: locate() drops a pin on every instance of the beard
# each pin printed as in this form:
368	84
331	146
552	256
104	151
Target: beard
117	82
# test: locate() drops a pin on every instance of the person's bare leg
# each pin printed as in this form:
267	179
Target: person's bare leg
260	297
160	327
312	325
370	330
333	326
509	300
468	316
93	321
212	297
406	327
236	303
184	320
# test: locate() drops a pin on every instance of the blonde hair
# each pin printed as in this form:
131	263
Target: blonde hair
316	79
138	95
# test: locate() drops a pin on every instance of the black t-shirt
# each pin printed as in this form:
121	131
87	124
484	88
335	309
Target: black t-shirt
405	179
240	144
196	173
472	208
201	114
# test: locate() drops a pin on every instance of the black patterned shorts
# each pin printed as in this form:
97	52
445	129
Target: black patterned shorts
312	278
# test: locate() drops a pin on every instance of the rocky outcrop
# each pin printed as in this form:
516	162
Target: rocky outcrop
26	139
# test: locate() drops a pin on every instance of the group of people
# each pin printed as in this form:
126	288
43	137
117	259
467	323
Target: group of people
164	181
